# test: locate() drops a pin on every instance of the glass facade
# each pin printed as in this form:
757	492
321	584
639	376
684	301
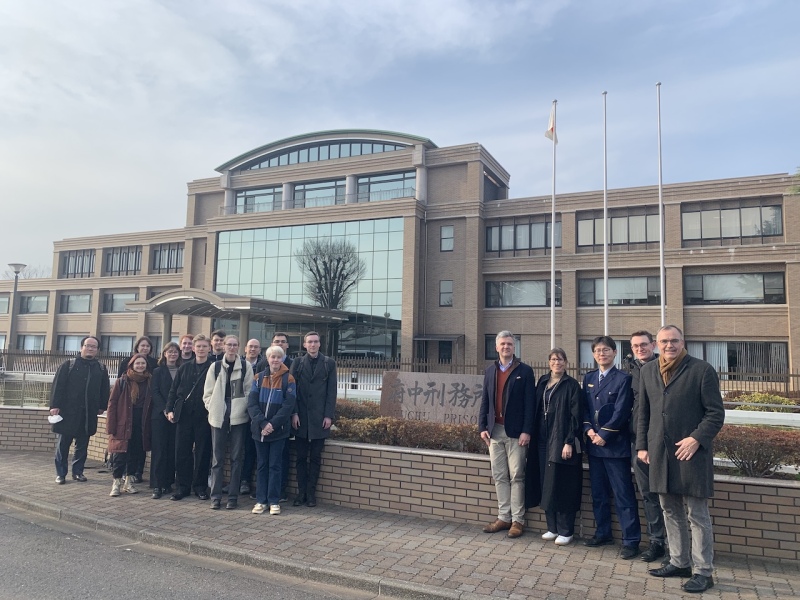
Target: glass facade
263	263
324	151
734	288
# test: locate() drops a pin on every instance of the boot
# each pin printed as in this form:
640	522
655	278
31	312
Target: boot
128	486
115	487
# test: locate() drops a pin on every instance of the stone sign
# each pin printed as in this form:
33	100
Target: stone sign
437	397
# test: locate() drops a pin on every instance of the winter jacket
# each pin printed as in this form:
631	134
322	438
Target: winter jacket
80	390
269	402
119	419
689	406
214	393
186	393
316	395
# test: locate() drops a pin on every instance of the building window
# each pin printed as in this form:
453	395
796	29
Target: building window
76	264
490	346
4	305
125	260
445	352
321	193
626	231
33	305
523	239
387	187
446	238
727	223
621	291
69	343
168	258
30	342
735	288
446	292
115	303
320	151
261	200
117	343
75	303
520	293
743	360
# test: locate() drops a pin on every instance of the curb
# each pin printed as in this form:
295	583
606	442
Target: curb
379	586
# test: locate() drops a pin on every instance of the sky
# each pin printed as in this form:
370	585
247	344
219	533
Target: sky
109	107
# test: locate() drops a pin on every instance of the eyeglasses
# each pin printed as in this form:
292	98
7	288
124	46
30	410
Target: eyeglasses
673	341
602	351
637	346
229	345
557	359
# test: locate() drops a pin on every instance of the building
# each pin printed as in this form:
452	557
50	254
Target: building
444	259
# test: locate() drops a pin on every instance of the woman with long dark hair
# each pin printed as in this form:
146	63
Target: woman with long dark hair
126	423
558	425
162	432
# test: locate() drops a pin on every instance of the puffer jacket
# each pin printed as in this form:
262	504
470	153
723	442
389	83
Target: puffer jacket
214	393
272	402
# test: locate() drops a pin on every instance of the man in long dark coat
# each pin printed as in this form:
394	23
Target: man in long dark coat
681	413
79	393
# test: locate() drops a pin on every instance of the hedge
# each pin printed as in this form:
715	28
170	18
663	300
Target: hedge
758	451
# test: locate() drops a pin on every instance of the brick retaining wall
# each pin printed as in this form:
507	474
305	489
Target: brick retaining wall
753	517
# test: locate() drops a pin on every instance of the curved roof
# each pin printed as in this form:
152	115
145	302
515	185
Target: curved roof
333	134
206	303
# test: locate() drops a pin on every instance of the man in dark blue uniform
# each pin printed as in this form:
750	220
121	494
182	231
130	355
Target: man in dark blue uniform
608	400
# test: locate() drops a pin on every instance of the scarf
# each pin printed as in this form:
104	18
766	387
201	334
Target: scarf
134	381
667	367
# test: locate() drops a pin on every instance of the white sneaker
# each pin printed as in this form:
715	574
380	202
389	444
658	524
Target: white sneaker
259	509
128	485
549	536
275	509
563	540
115	488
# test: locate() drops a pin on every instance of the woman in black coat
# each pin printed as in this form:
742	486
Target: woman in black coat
558	430
162	432
143	345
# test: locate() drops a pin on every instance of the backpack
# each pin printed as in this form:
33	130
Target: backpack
103	368
302	361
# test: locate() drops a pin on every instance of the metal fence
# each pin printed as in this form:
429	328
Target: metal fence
25	376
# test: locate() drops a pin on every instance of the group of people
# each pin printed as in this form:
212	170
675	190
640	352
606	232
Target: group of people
658	415
198	403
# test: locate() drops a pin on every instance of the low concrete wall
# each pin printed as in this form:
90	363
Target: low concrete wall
753	517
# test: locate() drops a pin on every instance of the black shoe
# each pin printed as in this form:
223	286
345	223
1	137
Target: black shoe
629	552
178	496
596	541
698	584
79	477
216	504
244	487
654	552
225	489
137	478
671	571
60	480
202	495
283	499
156	494
312	501
299	501
253	496
232	504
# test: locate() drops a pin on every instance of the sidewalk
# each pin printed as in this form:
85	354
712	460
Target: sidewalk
382	553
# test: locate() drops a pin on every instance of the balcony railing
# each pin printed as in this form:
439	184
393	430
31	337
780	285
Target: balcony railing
332	200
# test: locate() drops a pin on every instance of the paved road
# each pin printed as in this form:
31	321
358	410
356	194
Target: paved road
43	559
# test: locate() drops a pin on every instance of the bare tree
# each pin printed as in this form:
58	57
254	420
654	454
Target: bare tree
332	270
29	272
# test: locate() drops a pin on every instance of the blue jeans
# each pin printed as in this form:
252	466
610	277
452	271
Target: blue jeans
63	443
268	472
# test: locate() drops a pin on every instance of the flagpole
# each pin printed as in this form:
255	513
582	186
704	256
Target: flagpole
605	221
661	269
553	238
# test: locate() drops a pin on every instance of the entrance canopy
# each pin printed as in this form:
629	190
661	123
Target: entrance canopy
215	305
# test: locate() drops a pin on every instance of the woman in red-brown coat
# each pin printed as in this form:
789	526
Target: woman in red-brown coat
126	420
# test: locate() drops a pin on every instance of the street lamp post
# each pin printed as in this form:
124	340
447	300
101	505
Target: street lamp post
17	268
